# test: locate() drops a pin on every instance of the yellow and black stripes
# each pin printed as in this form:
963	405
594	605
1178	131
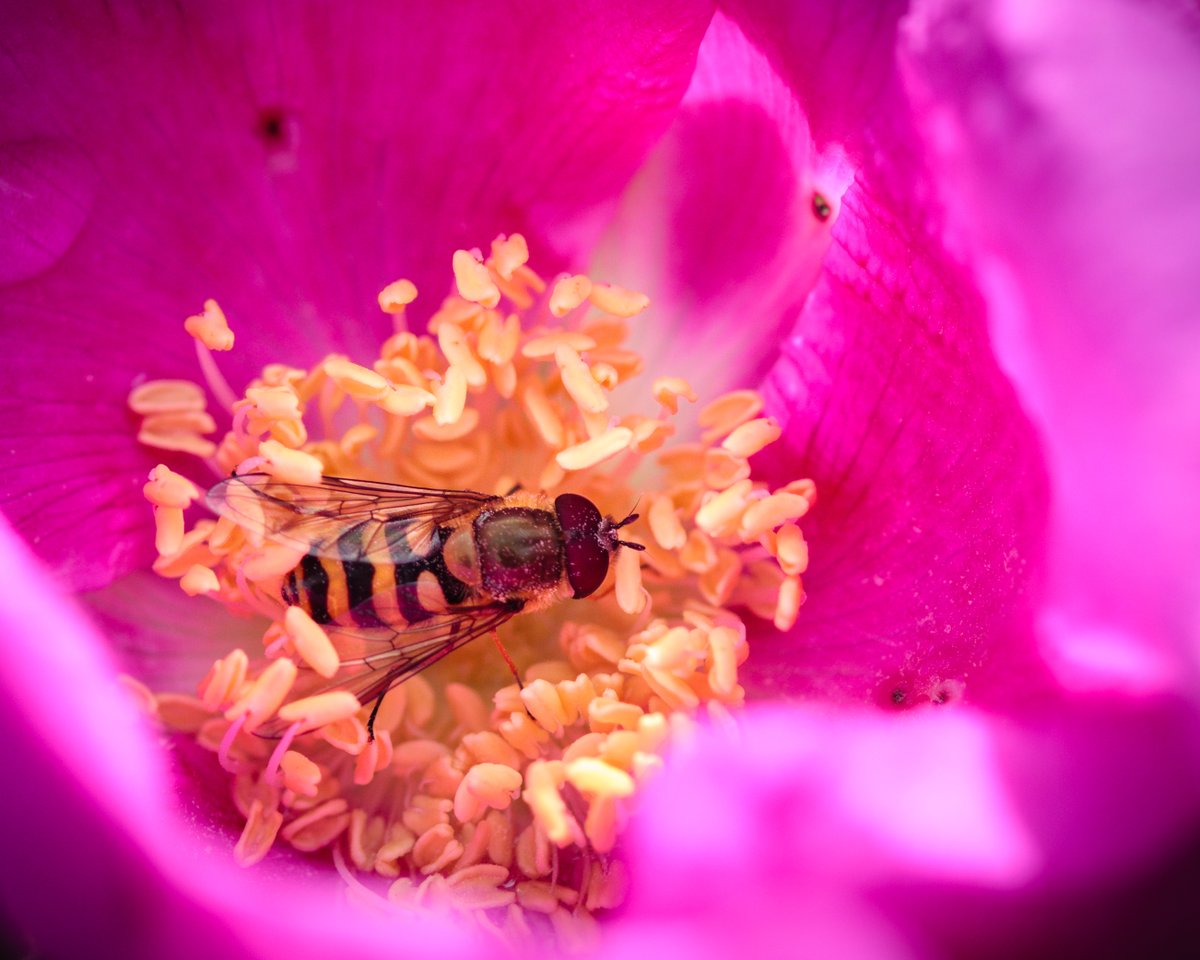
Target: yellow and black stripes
348	589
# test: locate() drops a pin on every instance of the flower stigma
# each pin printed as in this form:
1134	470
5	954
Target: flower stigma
500	802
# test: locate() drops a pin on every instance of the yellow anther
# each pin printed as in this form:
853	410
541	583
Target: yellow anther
568	293
578	380
540	348
405	400
597	778
168	530
310	641
320	710
356	380
300	774
265	696
596	450
729	411
791	549
166	396
486	786
453	343
397	295
210	327
751	437
224	680
720	514
631	595
473	281
669	390
275	403
450	398
791	596
617	300
199	580
509	253
771	512
166	488
290	466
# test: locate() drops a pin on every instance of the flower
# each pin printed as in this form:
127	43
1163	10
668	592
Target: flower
909	144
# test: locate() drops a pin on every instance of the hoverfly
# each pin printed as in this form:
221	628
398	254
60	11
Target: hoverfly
401	576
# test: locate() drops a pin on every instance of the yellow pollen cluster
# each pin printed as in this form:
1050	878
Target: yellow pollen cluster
500	802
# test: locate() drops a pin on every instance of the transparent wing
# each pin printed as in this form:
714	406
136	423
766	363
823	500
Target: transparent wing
340	517
377	659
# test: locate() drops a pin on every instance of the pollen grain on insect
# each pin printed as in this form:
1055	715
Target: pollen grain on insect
499	800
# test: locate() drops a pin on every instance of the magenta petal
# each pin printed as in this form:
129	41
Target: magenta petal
288	165
837	57
1089	227
927	533
719	226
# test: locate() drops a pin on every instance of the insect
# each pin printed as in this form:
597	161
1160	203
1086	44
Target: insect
401	576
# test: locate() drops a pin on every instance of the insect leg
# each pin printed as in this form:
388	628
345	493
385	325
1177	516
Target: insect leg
507	659
374	712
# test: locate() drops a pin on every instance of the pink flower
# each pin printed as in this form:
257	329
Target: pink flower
958	244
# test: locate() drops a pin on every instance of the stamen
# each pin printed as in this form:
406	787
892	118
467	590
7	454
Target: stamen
451	397
288	465
578	380
617	300
210	327
544	347
396	296
357	381
300	774
594	451
509	253
751	437
504	810
769	513
264	697
321	710
569	293
311	642
791	595
166	396
262	825
166	488
199	580
168	529
668	390
729	411
631	595
473	281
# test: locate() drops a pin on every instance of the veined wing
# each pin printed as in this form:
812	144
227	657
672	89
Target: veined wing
314	518
375	660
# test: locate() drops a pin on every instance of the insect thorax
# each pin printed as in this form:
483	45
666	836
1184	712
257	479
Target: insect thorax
519	549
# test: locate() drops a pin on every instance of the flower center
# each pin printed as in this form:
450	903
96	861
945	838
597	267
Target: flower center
479	795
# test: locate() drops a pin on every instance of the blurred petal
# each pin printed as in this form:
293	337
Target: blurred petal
97	823
288	166
884	815
1070	142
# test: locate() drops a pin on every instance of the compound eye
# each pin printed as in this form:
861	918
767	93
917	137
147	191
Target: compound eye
587	553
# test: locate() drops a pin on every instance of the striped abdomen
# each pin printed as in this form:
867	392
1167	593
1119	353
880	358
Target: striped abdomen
405	588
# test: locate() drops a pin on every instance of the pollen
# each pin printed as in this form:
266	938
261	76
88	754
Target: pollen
501	802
